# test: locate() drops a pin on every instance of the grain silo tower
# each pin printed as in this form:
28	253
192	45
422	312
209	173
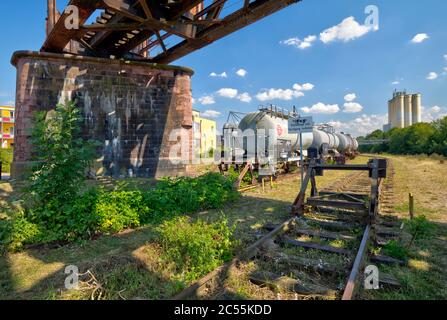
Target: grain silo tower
417	108
404	110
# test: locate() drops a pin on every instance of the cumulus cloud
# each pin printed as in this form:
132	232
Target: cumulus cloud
347	30
228	93
207	100
395	82
211	114
350	97
284	94
307	87
420	37
433	113
219	75
362	125
241	73
352	107
245	97
231	93
321	108
300	44
278	94
435	109
432	76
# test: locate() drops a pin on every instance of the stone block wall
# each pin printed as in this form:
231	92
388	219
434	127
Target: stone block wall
132	108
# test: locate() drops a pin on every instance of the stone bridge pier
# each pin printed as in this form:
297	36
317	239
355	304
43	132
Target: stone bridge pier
141	113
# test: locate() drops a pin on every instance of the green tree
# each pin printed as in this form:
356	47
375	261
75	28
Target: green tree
413	140
439	141
62	156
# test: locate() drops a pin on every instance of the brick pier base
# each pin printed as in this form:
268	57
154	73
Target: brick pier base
134	109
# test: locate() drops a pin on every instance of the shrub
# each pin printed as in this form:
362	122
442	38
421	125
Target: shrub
395	250
17	232
6	156
118	210
63	158
173	197
196	248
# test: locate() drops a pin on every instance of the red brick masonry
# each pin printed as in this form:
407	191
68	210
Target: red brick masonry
131	107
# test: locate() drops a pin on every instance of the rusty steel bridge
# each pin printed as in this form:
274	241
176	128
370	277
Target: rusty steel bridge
156	31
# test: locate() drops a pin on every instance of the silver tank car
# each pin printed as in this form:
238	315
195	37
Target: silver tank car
275	126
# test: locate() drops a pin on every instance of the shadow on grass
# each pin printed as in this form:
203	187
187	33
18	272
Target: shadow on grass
124	266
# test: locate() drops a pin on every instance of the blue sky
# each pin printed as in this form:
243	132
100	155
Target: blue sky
350	58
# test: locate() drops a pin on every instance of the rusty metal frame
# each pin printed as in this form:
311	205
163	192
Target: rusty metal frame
377	171
138	27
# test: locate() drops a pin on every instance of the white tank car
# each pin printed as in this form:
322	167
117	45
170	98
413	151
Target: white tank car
347	143
276	128
322	137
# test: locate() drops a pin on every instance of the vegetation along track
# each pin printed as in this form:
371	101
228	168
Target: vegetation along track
319	255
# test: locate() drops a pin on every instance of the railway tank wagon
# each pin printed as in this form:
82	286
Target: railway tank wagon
282	146
274	125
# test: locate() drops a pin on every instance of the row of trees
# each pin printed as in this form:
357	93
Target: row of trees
421	138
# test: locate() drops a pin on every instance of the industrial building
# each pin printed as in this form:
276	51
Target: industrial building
7	127
205	136
404	110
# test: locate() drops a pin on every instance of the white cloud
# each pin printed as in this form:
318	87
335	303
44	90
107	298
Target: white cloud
352	107
228	93
347	30
420	37
435	109
362	125
241	72
433	113
245	97
278	94
311	38
432	76
445	56
300	44
219	75
284	94
321	108
395	82
350	97
207	100
211	114
231	93
307	87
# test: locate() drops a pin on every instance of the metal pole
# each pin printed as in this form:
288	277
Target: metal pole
302	158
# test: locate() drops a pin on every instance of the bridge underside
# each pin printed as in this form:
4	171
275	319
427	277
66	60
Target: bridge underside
157	31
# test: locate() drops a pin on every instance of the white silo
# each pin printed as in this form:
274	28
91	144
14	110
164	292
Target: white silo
400	111
393	113
389	112
408	111
417	108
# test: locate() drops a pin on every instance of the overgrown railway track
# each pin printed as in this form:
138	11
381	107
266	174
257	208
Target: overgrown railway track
322	252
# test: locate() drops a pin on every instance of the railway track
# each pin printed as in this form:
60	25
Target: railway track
320	254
